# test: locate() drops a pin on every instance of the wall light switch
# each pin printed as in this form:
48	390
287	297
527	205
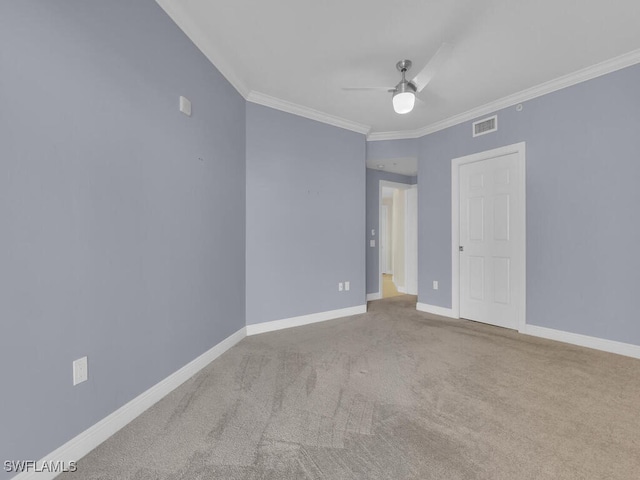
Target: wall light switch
340	287
372	243
435	284
347	286
80	370
185	106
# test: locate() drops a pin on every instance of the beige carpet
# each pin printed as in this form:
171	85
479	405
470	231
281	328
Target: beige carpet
392	394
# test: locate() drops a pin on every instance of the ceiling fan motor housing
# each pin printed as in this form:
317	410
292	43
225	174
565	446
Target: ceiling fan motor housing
404	86
404	65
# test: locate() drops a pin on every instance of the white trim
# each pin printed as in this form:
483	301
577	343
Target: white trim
455	241
374	296
626	349
307	112
410	226
401	289
202	42
79	446
399	186
520	150
435	310
611	346
271	326
486	119
384	229
588	73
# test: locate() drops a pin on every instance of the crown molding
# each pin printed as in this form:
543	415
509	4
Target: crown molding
302	111
201	41
588	73
196	35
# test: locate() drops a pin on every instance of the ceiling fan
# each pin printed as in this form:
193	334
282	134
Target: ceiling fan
404	93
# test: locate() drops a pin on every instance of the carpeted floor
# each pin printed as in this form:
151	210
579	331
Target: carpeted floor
391	394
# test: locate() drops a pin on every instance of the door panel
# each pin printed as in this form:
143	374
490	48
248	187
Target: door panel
476	219
501	278
476	278
383	232
501	217
488	201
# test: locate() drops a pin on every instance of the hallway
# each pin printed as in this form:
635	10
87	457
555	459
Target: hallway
388	287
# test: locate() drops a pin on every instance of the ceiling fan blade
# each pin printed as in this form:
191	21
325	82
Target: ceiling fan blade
423	78
357	89
429	97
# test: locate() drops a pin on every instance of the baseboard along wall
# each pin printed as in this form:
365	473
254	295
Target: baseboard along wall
435	310
611	346
79	446
274	325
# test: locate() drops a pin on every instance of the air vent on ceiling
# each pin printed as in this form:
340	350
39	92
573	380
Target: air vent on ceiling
486	125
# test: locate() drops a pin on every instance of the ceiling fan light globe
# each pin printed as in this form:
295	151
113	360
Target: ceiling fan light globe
403	102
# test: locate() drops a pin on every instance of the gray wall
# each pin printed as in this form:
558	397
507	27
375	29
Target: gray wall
373	219
390	149
305	216
583	269
117	241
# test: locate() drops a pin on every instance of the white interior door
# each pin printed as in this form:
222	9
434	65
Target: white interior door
491	260
398	243
384	238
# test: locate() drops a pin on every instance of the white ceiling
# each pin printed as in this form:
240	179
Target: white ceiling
299	53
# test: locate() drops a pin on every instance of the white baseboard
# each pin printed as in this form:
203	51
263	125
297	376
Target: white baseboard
79	446
257	328
401	289
626	349
434	309
374	296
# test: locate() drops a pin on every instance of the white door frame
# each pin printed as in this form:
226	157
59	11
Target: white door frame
400	186
521	220
410	288
383	232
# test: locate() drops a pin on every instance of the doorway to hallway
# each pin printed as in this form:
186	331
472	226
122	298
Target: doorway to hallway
398	252
388	287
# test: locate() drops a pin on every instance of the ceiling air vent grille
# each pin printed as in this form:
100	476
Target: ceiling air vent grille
486	125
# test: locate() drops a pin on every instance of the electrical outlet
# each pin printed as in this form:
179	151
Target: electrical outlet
80	370
372	243
435	284
347	286
340	287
